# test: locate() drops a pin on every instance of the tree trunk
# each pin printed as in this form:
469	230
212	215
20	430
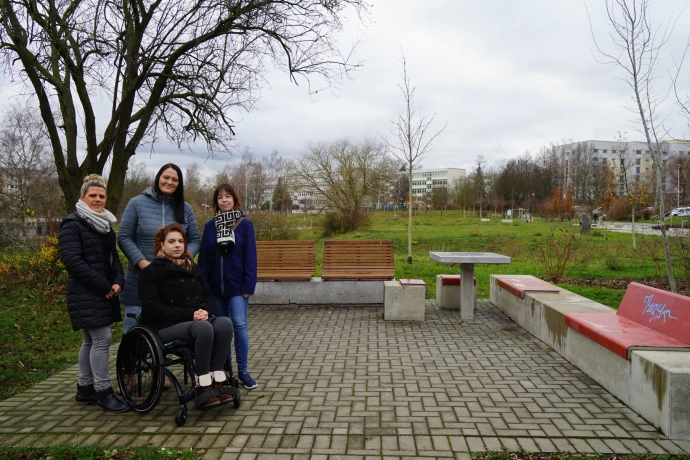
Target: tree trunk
409	222
633	228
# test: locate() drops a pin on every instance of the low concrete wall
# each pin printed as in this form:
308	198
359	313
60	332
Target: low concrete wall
319	292
655	384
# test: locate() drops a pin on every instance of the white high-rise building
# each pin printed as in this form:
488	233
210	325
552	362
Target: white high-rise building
424	180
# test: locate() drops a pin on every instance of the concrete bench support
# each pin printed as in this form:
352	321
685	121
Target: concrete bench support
318	292
448	292
404	300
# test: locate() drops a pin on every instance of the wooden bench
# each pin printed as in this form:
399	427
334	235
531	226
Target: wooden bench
285	260
358	260
646	318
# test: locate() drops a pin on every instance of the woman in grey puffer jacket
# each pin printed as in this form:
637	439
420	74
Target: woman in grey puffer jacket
159	205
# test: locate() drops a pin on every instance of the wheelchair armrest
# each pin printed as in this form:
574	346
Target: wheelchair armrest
135	316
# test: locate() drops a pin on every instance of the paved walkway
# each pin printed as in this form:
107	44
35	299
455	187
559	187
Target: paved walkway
340	383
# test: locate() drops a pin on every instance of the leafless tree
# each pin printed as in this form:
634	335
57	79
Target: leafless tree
635	46
413	136
169	67
345	174
26	174
633	184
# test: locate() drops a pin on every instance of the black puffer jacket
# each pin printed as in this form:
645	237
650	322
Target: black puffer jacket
84	257
170	295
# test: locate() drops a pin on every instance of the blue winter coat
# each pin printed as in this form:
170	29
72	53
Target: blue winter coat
233	274
144	215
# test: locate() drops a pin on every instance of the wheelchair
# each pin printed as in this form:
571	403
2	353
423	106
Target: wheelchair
143	356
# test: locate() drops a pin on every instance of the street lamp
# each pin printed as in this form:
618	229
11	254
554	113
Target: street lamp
533	210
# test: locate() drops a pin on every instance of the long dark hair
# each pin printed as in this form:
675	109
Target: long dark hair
178	194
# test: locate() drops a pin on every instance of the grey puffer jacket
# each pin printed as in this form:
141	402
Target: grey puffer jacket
144	215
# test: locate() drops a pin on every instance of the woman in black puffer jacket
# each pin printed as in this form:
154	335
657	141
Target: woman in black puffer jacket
88	251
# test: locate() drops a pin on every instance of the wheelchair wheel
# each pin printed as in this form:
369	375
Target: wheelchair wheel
139	372
238	398
181	415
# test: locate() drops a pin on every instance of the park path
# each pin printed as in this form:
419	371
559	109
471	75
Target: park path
341	383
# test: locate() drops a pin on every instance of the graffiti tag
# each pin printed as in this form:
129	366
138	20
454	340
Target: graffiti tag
656	310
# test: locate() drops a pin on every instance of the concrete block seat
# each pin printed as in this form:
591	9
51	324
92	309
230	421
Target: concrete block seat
404	300
448	292
646	318
640	354
647	368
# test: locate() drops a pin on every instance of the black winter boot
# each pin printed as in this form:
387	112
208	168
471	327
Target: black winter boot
86	394
109	402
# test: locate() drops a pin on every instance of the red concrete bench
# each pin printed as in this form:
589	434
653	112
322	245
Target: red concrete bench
646	318
447	295
519	284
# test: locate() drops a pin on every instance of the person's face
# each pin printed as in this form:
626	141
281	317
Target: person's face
168	182
94	198
225	201
173	245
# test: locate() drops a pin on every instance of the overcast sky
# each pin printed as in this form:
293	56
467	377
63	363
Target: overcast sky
506	75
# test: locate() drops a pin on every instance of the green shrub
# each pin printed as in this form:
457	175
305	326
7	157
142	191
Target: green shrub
270	226
612	261
597	233
333	224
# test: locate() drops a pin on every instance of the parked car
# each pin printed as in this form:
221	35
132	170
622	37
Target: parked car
683	212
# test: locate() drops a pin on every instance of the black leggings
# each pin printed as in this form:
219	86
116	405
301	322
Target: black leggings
211	340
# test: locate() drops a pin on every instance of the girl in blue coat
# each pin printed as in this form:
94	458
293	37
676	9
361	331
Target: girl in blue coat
227	259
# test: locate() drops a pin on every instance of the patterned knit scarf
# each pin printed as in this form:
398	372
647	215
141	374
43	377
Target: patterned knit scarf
185	261
224	222
102	221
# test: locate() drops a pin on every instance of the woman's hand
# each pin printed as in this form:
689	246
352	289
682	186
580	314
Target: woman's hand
142	264
115	291
245	295
200	315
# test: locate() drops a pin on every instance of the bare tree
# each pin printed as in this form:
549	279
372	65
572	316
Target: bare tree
413	140
26	170
172	67
345	174
632	183
636	46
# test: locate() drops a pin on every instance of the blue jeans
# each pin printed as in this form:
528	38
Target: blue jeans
129	323
235	308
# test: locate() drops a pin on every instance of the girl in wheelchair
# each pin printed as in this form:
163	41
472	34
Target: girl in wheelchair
177	304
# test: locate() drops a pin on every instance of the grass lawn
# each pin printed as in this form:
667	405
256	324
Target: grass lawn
38	338
92	452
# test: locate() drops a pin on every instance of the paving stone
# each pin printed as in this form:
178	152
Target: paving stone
343	383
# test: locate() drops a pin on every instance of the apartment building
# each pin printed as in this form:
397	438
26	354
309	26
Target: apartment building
633	159
424	180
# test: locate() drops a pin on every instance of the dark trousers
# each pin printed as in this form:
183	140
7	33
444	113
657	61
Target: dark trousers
212	340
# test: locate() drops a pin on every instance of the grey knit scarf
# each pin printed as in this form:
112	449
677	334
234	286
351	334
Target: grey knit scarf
102	221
